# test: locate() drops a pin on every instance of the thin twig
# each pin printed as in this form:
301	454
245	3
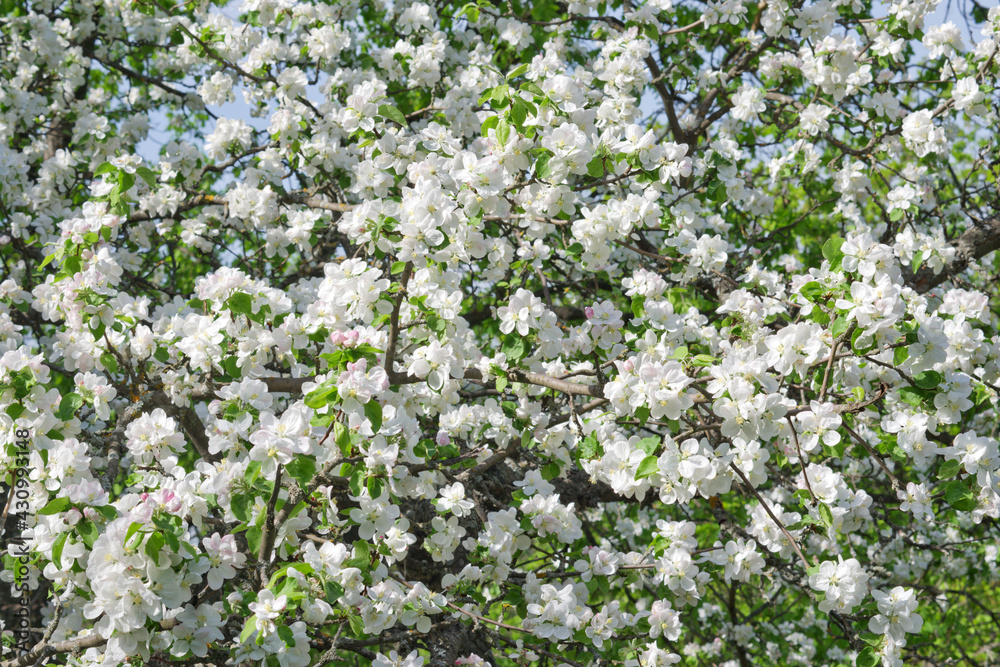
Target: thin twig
767	509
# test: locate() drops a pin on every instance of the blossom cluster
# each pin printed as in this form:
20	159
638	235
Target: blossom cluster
498	333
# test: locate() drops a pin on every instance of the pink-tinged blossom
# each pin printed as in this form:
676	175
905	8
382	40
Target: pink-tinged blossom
357	385
223	558
266	609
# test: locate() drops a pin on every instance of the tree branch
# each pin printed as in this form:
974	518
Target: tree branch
41	651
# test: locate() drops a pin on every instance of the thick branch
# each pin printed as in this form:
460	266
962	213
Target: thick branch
390	350
38	654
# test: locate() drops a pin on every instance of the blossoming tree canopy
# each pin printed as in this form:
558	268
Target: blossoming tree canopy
586	333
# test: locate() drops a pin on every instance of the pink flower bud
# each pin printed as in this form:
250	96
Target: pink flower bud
589	312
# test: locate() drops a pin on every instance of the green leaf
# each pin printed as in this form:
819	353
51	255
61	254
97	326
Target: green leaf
518	113
518	71
68	406
959	496
254	534
109	362
589	449
833	253
503	132
373	410
867	658
132	530
721	193
532	88
252	472
240	303
489	124
702	360
56	506
154	545
918	258
896	215
362	551
357	625
839	326
603	585
514	347
125	181
900	354
595	168
642	414
333	592
487	94
826	514
57	549
232	367
286	635
836	451
343	439
375	487
499	96
248	629
172	540
240	505
980	395
105	168
357	482
812	290
323	395
638	305
648	467
109	512
147	175
302	468
393	114
438	325
649	445
927	379
911	396
870	638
